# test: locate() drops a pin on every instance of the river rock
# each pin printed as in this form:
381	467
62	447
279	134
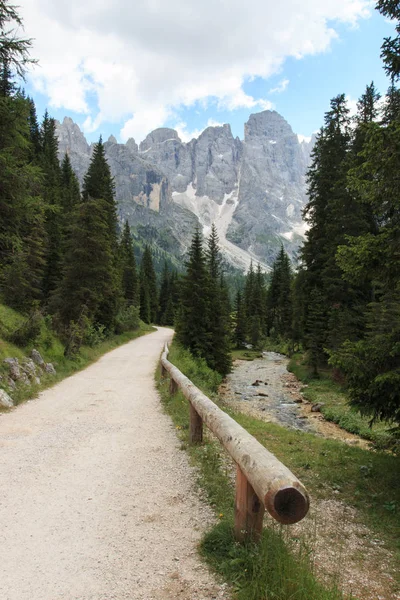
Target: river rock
262	394
37	358
5	399
49	368
317	407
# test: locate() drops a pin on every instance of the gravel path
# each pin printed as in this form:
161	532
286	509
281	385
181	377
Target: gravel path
96	499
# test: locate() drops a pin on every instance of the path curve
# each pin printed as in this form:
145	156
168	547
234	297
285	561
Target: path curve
96	499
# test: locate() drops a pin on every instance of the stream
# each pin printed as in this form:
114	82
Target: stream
265	389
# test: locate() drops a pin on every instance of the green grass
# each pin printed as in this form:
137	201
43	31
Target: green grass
336	407
244	354
52	350
368	481
279	568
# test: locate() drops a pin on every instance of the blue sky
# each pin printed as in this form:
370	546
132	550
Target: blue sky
198	68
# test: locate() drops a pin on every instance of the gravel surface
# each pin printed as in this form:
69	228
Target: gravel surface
96	499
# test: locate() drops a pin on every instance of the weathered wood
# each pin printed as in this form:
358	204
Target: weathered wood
163	370
173	386
249	511
196	426
282	494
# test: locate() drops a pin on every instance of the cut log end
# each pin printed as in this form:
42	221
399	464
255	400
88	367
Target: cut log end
289	505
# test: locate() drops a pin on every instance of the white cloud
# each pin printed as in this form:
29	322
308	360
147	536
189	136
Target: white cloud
143	60
186	136
280	88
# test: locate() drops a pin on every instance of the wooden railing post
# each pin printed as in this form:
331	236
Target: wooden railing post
173	386
249	511
196	426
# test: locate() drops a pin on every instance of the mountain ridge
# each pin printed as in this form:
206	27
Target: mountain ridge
253	189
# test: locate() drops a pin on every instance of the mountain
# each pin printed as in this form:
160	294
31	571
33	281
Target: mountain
253	190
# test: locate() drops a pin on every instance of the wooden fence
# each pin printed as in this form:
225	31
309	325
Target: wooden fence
262	481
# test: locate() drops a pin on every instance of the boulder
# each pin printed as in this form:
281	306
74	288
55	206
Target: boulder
13	368
29	368
5	400
317	407
37	358
49	368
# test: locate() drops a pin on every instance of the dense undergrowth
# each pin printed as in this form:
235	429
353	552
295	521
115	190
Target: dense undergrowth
280	567
336	407
52	350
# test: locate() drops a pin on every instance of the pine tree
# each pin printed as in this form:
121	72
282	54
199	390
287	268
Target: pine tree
130	283
90	283
98	183
51	191
279	298
14	51
218	354
333	214
192	327
240	322
254	304
148	288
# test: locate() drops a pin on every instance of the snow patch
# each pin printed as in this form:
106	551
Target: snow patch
208	212
290	210
300	229
288	235
272	141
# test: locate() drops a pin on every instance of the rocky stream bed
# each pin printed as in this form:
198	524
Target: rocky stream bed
265	389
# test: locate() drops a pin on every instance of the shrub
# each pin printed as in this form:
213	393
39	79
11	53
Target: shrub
127	319
29	331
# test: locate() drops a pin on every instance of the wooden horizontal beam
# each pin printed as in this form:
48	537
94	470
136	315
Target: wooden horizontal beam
280	492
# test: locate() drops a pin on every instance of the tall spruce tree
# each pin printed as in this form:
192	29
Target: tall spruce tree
332	214
98	183
240	331
21	206
218	353
90	283
148	288
130	281
279	298
192	327
52	196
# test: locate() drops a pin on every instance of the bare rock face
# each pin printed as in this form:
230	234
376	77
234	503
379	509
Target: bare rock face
253	190
5	400
136	180
163	147
272	187
72	141
216	162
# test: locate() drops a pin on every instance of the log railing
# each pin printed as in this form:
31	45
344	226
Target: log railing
262	481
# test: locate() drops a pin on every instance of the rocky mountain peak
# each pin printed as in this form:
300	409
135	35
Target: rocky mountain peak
269	125
112	140
158	136
132	145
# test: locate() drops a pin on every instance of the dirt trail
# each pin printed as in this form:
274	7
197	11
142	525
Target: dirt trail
96	499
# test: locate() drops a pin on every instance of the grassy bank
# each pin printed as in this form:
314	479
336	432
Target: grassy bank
280	567
52	350
336	407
